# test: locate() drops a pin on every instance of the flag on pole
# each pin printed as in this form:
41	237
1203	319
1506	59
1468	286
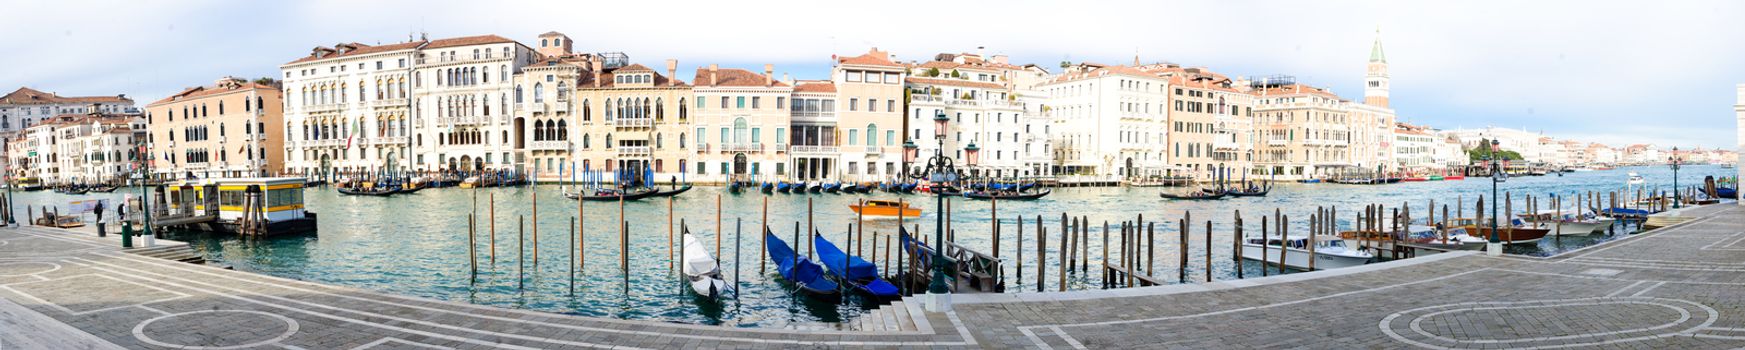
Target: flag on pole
355	125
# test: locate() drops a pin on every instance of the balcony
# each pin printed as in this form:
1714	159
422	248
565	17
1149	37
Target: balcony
389	140
550	145
1225	146
389	102
634	151
874	149
633	122
324	108
813	150
1276	142
742	147
702	148
445	121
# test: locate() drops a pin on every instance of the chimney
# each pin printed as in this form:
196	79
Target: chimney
712	68
769	72
672	70
594	66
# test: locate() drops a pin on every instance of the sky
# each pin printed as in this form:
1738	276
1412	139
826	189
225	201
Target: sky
1619	73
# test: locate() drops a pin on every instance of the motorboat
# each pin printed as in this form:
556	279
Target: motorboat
1517	232
1566	223
1636	179
368	189
702	271
806	276
886	208
1331	252
853	271
1452	238
1006	194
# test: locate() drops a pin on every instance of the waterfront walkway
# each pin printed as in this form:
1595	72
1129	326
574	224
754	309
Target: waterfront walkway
1677	287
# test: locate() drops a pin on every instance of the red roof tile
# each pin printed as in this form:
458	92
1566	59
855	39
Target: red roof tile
956	82
873	57
733	77
821	86
361	49
28	96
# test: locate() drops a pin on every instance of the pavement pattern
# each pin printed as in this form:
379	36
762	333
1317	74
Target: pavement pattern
1677	287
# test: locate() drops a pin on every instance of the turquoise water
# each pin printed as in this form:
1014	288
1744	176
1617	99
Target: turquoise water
417	244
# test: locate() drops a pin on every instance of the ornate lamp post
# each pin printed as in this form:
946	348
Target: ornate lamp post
939	170
1495	246
1674	161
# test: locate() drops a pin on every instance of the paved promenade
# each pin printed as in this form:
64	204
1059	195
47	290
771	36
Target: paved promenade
1679	287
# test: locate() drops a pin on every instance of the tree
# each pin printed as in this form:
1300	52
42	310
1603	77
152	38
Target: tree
954	74
932	72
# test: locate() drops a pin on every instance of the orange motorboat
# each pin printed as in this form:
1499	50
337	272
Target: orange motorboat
886	208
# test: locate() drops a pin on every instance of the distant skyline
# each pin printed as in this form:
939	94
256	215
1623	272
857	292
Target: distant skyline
1598	71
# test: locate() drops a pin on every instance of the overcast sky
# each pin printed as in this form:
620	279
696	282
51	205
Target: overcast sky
1660	72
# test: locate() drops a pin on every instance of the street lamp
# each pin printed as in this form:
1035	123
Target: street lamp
1495	246
1674	162
940	170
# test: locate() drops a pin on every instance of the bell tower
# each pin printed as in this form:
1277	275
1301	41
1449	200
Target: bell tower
1375	79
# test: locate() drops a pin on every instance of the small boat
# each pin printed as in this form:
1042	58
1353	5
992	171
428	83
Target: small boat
767	188
702	270
410	188
606	194
1436	178
1453	238
1569	224
907	188
1623	213
367	190
807	276
733	187
1251	191
104	189
1416	179
1331	252
1309	181
1454	177
669	193
1726	192
886	208
783	187
1202	194
833	187
1006	195
471	182
852	270
815	188
1636	179
863	188
1511	234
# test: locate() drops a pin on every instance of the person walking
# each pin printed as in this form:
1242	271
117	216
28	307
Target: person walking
101	232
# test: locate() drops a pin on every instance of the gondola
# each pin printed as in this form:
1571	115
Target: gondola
1007	195
815	188
671	192
103	189
410	189
1196	195
833	188
358	191
807	276
612	195
702	271
784	187
733	187
1251	191
853	271
767	188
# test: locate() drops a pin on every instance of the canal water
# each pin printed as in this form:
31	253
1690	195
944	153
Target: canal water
416	244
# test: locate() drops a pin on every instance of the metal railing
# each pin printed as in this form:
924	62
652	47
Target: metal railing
812	149
743	147
634	151
633	122
550	145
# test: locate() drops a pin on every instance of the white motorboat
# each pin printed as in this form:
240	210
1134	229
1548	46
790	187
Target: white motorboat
1454	238
1636	179
1569	224
702	270
1331	252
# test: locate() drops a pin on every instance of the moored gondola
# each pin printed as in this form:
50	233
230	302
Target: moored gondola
671	192
804	274
367	191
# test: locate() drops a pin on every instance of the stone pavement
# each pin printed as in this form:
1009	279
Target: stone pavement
1678	287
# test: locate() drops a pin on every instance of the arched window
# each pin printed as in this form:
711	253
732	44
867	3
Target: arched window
563	130
872	138
486	102
538	92
657	141
378	89
739	130
563	92
587	111
659	109
538	130
518	94
608	110
645	108
681	137
585	141
608	140
682	112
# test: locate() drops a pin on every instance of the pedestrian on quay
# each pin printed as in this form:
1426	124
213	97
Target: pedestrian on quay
101	232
